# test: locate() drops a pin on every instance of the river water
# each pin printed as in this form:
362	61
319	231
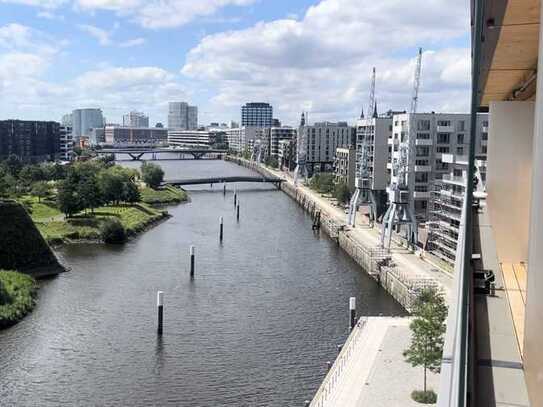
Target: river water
255	327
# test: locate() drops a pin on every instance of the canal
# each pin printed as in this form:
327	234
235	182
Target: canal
255	327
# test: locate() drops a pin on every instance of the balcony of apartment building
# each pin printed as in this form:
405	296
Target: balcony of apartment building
493	349
444	127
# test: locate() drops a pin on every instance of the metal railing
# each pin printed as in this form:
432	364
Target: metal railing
322	397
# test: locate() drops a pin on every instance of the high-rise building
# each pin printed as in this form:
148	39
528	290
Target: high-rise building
322	140
135	119
427	136
67	120
31	141
66	143
257	115
372	148
275	134
84	120
182	116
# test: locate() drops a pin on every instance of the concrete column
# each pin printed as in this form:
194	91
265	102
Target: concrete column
533	339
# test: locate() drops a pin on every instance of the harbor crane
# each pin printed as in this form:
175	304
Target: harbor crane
301	153
399	211
363	194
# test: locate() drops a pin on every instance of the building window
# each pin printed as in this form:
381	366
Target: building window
459	150
444	123
423	125
443	138
460	139
461	126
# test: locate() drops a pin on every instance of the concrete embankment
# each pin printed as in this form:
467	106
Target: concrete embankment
386	268
22	247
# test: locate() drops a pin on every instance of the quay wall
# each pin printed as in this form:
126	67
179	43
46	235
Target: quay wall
374	261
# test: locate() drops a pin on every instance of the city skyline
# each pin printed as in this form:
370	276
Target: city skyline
59	55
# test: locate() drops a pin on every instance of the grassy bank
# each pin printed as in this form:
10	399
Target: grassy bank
134	217
163	196
17	297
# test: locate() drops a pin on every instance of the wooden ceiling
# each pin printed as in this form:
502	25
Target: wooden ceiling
509	50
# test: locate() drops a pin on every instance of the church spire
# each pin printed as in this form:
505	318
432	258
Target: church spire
302	122
375	110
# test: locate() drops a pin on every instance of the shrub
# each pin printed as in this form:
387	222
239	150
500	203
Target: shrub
112	231
5	298
424	397
21	292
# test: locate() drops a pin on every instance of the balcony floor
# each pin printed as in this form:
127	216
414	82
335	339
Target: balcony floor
514	277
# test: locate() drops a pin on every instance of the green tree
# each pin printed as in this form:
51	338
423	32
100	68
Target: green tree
67	198
272	162
40	189
152	174
427	331
342	192
13	165
89	193
131	192
110	184
31	173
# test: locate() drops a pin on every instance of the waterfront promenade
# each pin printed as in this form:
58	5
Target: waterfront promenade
371	370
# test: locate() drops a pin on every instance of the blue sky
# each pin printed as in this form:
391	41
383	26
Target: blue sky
56	55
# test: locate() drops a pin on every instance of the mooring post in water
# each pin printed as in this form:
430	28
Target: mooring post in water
160	307
221	222
235	197
307	403
237	212
328	365
339	348
224	189
191	252
352	309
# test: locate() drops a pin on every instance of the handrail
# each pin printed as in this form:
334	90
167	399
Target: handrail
332	377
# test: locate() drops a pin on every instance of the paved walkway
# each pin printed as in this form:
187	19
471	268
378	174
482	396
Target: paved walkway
376	373
409	262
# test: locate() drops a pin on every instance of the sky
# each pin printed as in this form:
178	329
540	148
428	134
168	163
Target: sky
298	55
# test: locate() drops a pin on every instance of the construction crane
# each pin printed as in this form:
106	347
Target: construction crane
399	211
301	152
363	195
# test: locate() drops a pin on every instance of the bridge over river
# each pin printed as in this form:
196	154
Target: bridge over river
223	180
136	153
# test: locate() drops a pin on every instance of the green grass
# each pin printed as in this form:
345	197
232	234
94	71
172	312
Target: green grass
20	297
40	210
134	218
162	196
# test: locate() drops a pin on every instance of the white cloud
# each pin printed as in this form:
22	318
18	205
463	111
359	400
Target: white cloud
324	59
132	43
105	39
161	13
48	15
103	36
48	4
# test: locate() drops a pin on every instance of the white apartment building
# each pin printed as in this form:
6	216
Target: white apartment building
189	138
372	148
345	166
449	192
276	134
242	138
428	136
286	154
182	116
135	119
322	140
66	143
